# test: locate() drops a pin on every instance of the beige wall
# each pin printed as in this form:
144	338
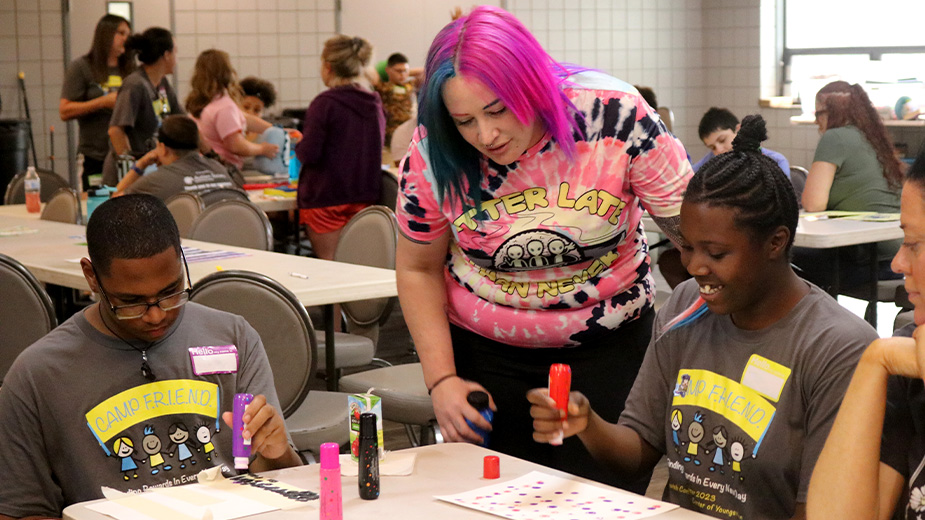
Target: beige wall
694	53
30	42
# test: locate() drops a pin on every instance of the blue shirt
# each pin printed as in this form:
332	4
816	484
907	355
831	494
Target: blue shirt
778	158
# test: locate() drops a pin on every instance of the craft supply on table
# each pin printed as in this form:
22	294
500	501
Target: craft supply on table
491	467
368	464
479	400
560	383
240	447
332	501
540	495
213	496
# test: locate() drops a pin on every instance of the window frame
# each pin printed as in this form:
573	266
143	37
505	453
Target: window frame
786	54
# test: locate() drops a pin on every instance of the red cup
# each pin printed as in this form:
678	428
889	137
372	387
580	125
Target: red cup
491	467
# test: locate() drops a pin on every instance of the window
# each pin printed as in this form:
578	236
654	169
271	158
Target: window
876	44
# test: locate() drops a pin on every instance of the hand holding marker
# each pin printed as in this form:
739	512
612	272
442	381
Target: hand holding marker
560	382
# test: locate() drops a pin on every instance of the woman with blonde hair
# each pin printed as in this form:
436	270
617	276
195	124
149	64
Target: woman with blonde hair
341	147
214	101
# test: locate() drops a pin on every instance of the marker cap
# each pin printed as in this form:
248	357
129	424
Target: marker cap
491	467
330	455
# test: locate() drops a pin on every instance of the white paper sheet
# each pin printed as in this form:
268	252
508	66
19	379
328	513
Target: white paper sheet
537	495
213	498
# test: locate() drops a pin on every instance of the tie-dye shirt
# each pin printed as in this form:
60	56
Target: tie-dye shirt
560	256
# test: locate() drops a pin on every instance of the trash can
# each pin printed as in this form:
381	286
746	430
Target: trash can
14	149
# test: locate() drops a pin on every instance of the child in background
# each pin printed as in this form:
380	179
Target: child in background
748	362
718	128
259	95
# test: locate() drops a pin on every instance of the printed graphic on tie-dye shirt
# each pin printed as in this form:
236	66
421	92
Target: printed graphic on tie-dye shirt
554	235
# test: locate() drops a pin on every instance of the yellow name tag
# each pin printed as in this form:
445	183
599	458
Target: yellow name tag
765	377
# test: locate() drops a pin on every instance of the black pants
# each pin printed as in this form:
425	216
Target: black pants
604	371
91	167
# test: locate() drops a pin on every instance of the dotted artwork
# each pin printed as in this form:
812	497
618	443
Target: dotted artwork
537	495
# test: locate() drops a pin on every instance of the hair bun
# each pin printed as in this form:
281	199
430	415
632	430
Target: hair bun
751	133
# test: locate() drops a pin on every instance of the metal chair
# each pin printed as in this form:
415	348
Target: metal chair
401	139
312	417
667	117
185	208
63	206
404	398
16	189
217	195
389	193
370	239
234	223
798	180
26	311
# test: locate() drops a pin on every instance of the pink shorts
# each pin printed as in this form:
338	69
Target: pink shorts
330	218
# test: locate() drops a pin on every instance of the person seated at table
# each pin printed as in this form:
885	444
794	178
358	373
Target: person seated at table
181	168
259	95
113	396
214	100
872	461
717	130
854	169
747	365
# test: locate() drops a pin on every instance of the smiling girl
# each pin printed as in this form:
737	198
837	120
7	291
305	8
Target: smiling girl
746	350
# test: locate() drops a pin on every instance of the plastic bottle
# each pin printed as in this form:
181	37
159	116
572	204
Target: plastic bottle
33	190
332	504
240	447
560	383
479	400
368	480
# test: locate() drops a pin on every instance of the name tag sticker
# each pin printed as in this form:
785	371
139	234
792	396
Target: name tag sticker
214	360
765	376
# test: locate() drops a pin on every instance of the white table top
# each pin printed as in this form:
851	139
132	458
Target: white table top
265	202
826	233
440	469
48	254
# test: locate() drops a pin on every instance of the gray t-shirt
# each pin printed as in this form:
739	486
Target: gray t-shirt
80	85
193	173
139	109
76	413
742	415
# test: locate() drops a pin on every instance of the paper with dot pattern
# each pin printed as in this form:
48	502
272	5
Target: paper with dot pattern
538	495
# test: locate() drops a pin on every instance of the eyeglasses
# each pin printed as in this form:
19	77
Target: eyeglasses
134	311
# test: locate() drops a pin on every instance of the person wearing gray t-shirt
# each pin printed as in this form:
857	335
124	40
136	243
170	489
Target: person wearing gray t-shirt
91	83
182	168
748	362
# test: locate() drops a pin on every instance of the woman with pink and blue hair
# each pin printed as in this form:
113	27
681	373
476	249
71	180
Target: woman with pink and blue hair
520	203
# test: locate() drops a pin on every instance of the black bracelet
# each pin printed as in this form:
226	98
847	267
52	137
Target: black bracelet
442	379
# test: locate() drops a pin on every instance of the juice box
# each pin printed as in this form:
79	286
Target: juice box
358	404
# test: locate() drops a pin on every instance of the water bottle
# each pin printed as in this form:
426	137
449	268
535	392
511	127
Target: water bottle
295	166
33	189
479	400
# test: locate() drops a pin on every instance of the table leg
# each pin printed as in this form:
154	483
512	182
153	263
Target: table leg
836	282
329	364
874	271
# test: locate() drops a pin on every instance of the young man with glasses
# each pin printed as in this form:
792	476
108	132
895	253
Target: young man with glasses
119	394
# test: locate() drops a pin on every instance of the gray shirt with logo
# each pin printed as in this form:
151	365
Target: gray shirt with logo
193	174
76	413
742	415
